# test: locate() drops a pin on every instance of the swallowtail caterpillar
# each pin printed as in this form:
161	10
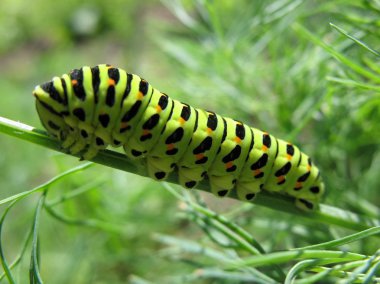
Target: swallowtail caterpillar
91	108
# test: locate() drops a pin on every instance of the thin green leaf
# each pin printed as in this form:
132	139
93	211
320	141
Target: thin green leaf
4	263
235	277
353	83
18	259
34	273
345	240
361	270
93	184
281	257
345	60
370	276
299	268
92	223
359	42
47	184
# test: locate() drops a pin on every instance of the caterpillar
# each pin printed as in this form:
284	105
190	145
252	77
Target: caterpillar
93	107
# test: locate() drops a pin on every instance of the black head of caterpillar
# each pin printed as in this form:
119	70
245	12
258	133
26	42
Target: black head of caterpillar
91	108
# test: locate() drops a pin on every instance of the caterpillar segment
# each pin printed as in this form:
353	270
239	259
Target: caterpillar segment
308	187
93	107
150	126
283	167
172	142
91	115
135	99
258	166
50	103
207	137
229	161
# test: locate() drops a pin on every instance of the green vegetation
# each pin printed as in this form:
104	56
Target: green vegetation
306	71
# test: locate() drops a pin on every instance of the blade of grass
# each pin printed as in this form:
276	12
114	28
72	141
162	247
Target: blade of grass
361	270
21	254
232	227
285	256
76	192
34	273
299	268
185	246
345	60
227	277
354	84
371	274
92	223
4	263
47	184
343	32
345	240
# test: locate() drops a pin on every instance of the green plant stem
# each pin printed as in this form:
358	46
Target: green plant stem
285	256
326	214
34	272
4	263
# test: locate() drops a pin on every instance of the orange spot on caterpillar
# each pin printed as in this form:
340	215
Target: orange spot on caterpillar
289	157
74	82
158	109
280	179
308	167
123	125
209	130
264	148
237	140
199	156
181	120
170	146
111	82
145	132
298	185
257	172
229	164
139	96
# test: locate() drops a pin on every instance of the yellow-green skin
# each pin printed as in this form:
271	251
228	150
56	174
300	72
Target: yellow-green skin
91	108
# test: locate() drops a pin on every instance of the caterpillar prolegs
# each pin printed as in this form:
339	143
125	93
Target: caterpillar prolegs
91	108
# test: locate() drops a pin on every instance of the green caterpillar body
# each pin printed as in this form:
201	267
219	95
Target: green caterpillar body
91	108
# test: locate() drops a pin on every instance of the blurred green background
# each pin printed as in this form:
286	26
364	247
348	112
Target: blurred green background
262	62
